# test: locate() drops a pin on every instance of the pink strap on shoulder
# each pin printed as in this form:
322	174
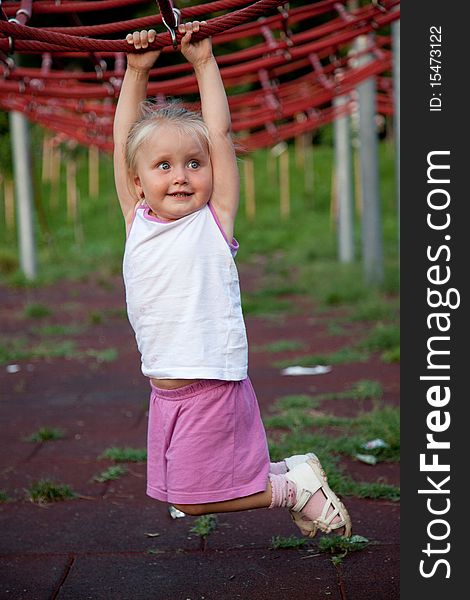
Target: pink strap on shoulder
233	245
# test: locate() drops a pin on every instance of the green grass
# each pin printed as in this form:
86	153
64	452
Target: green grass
304	431
125	454
335	327
375	308
364	389
46	434
382	337
292	412
280	346
58	330
36	311
254	304
289	419
372	490
45	491
4	497
381	423
204	526
111	473
339	545
392	355
279	542
295	401
9	262
105	355
345	355
297	419
97	317
20	348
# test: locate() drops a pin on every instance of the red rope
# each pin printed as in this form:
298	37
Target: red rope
66	6
151	21
28	39
213	27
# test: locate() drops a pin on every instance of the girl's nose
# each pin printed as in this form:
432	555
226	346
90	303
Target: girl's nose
180	175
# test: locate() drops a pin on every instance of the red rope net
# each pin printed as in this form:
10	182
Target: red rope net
282	64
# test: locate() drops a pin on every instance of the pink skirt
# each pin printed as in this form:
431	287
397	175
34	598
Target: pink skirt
206	443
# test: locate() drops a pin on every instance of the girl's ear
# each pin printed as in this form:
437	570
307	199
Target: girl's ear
138	186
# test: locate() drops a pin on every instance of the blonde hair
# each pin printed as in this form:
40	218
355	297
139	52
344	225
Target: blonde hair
153	116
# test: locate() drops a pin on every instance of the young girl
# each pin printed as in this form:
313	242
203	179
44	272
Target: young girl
177	182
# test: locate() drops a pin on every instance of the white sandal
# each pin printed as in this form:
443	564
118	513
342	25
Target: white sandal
298	459
309	477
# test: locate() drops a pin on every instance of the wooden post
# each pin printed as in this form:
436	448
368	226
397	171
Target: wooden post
308	161
250	199
299	143
55	175
299	152
78	229
93	171
271	165
284	183
71	179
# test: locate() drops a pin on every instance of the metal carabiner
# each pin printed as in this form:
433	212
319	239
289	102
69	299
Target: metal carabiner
172	29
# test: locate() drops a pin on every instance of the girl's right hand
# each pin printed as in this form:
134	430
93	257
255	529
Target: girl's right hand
142	61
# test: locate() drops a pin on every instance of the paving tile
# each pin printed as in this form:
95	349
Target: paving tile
222	575
26	577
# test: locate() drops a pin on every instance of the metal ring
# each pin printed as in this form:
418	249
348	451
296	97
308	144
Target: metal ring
172	30
11	45
24	12
379	5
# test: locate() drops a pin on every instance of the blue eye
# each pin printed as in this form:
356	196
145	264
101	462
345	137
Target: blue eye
164	165
193	164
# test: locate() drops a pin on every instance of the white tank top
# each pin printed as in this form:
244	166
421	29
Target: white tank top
183	297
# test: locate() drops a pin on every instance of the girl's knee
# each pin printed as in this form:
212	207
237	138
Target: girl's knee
194	510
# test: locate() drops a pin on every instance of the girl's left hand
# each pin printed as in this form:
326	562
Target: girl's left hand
197	52
141	39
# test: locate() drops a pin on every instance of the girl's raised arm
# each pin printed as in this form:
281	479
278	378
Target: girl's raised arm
133	92
216	115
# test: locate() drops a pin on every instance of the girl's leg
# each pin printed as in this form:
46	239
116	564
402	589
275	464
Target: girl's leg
260	500
288	491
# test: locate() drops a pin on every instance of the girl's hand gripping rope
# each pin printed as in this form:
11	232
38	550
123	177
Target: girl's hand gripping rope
196	53
142	61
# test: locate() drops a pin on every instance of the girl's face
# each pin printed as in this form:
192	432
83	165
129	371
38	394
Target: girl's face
174	173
